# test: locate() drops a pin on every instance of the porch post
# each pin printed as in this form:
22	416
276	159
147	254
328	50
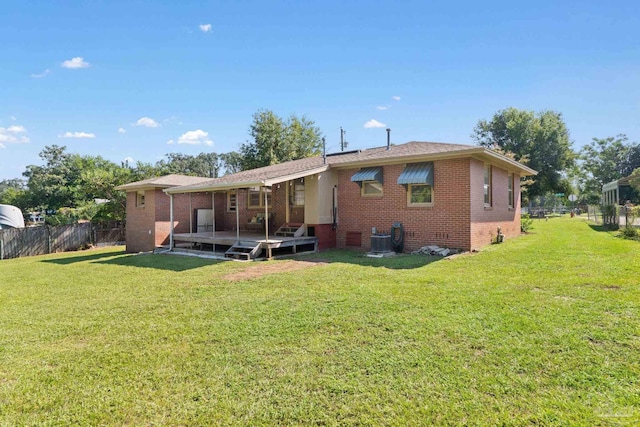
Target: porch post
171	221
213	212
190	215
287	186
266	222
237	214
266	217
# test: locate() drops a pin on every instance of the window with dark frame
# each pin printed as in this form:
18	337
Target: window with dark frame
511	177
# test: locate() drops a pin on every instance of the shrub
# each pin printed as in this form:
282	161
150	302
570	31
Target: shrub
630	232
526	223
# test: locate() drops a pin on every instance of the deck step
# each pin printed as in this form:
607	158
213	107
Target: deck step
243	250
290	230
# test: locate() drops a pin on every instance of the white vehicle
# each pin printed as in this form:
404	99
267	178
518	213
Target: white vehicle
11	217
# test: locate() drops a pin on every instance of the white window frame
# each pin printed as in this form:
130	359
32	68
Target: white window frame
371	184
261	192
418	204
140	199
232	201
487	188
297	192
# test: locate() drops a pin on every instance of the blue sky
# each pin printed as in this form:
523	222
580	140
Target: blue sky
141	79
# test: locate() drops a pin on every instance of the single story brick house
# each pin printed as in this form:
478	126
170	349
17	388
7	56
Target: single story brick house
450	195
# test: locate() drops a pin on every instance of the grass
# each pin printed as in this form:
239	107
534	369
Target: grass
540	330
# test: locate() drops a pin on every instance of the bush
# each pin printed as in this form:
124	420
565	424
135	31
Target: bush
630	232
526	223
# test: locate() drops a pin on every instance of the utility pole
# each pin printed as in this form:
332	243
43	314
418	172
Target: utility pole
343	143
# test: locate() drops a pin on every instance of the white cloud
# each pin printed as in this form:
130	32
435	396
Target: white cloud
122	130
13	118
382	107
128	160
41	75
77	135
195	137
205	28
147	122
77	62
170	142
16	129
2	145
8	135
374	124
396	98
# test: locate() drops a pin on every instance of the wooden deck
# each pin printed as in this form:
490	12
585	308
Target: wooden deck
222	240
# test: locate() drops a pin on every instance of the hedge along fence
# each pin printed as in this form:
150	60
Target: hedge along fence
21	242
614	215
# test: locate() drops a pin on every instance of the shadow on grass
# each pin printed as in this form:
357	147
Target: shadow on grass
601	228
82	257
183	263
346	256
162	262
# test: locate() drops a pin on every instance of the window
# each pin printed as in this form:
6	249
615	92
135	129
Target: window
140	199
297	192
419	195
487	186
511	190
256	197
371	188
232	201
369	180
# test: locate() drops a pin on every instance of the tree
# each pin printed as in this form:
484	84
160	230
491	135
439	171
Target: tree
53	185
541	141
276	141
14	192
204	164
231	162
605	160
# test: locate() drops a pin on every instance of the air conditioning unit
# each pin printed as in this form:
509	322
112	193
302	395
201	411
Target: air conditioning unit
381	243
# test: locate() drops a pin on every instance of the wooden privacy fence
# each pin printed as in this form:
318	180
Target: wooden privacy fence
21	242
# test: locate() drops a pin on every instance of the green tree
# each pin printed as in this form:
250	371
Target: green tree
204	164
605	160
541	141
53	185
14	192
276	141
231	162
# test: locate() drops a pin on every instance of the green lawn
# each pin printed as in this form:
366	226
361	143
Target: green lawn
540	330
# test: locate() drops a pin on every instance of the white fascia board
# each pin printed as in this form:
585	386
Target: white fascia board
215	187
301	174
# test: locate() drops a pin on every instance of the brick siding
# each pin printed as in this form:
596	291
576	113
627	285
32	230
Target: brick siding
457	218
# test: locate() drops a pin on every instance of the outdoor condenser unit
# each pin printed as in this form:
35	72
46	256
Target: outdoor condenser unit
381	243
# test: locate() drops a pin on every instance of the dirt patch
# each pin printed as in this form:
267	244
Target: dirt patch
259	269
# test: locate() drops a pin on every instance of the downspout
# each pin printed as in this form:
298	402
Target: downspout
190	215
171	221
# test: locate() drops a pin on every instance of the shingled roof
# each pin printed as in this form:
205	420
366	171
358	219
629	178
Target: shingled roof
166	181
414	151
